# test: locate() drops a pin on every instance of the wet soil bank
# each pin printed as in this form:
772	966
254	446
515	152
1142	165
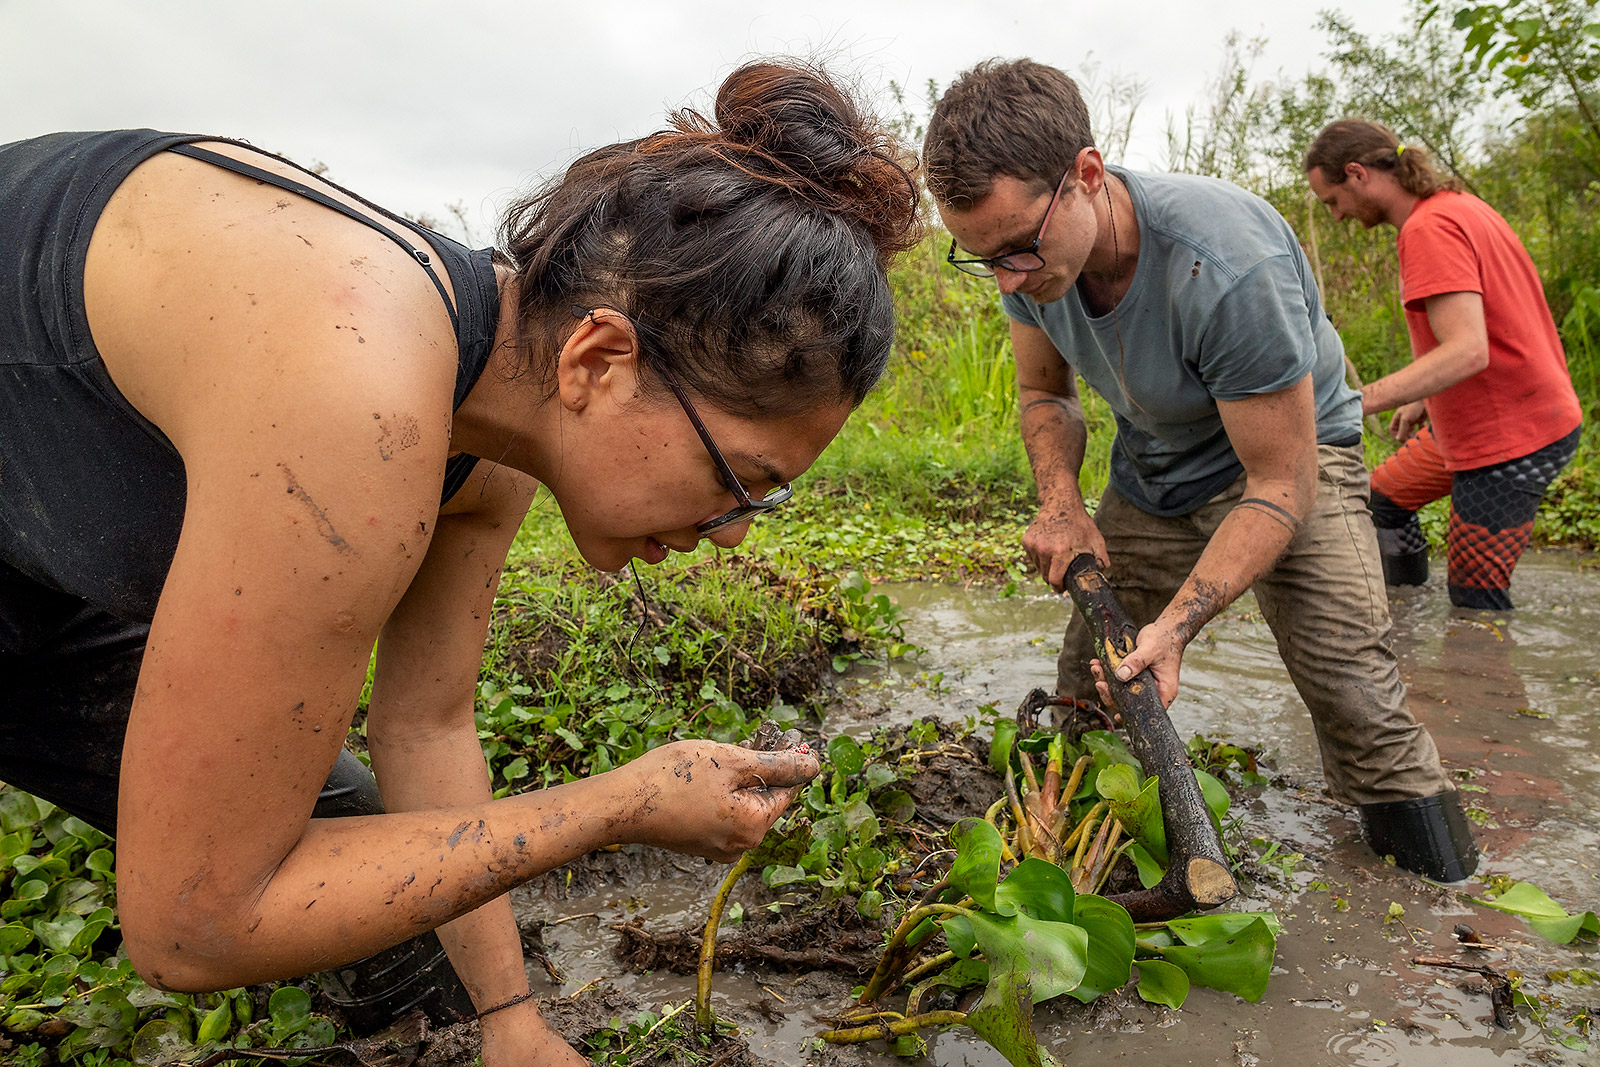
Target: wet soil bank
1509	700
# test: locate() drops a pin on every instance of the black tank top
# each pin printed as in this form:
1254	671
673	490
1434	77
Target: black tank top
91	493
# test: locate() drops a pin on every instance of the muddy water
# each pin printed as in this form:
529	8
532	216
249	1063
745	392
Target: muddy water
1511	703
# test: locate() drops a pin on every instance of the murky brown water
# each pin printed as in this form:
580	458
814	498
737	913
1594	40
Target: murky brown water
1510	701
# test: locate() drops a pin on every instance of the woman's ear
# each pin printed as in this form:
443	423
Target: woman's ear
600	360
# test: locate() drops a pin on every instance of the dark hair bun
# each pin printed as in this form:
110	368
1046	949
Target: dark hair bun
796	127
749	250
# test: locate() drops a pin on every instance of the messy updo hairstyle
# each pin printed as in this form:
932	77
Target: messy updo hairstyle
1014	117
1376	148
748	249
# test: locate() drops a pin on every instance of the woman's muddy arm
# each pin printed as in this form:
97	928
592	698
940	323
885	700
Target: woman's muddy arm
421	734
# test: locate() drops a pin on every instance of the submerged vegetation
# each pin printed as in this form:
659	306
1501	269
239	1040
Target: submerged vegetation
928	481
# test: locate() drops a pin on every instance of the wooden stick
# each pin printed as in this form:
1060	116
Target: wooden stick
1197	873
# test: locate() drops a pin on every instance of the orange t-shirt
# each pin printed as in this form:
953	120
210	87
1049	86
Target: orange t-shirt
1523	400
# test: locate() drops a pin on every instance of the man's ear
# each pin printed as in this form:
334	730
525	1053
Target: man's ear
1091	170
1356	171
599	359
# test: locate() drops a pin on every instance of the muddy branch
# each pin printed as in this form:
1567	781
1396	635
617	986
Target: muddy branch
1197	875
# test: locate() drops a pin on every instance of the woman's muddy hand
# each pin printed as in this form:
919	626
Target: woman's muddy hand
709	799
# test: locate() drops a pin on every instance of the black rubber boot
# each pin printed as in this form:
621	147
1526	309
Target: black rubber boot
1427	835
380	989
1402	564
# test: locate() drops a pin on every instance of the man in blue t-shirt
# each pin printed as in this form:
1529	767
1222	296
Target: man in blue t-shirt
1189	306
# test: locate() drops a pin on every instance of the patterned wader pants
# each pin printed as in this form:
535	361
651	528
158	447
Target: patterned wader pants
1326	605
1491	511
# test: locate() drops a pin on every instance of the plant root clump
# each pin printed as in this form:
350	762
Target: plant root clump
833	939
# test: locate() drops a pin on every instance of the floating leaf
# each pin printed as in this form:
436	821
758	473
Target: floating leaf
1239	963
976	871
1150	872
896	805
1161	982
216	1024
1215	793
1548	919
1037	888
1198	929
14	937
958	936
104	1020
1053	955
17	809
161	1043
1004	1018
1111	946
963	974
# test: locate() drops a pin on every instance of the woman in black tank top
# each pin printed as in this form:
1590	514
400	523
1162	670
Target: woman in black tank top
232	399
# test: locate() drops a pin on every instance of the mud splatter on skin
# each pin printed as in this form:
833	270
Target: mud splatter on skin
1209	598
403	434
320	517
461	831
521	841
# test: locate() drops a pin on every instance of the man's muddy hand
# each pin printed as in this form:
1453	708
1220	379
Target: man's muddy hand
1055	538
1157	648
713	800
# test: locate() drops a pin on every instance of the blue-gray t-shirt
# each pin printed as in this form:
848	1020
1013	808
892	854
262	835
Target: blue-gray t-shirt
1222	306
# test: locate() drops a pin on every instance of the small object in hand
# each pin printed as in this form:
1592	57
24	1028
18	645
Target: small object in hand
770	737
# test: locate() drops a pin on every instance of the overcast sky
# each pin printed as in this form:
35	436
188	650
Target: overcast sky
420	105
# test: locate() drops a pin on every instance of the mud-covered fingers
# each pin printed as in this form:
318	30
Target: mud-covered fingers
1101	687
784	769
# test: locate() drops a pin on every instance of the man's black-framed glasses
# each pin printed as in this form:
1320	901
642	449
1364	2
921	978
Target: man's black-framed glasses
747	508
1019	261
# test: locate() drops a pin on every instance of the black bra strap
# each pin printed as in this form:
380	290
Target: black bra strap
299	189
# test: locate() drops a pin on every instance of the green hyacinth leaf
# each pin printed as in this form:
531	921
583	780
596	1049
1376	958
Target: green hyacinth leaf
976	871
1198	929
1111	946
1004	1018
1005	736
958	936
1053	955
1239	963
1150	872
1036	888
1137	806
1161	982
1548	919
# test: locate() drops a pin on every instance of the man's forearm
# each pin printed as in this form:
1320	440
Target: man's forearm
1246	545
1055	437
1452	362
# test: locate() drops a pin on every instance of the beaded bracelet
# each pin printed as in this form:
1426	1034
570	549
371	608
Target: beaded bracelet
513	1002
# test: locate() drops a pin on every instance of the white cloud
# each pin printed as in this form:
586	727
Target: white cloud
418	105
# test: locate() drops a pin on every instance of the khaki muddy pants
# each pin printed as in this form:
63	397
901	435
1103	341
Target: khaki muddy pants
1325	603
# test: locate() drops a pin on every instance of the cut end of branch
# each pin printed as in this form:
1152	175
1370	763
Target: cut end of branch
1210	883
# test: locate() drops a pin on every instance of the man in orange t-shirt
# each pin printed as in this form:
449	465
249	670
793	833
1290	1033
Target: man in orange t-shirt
1488	372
